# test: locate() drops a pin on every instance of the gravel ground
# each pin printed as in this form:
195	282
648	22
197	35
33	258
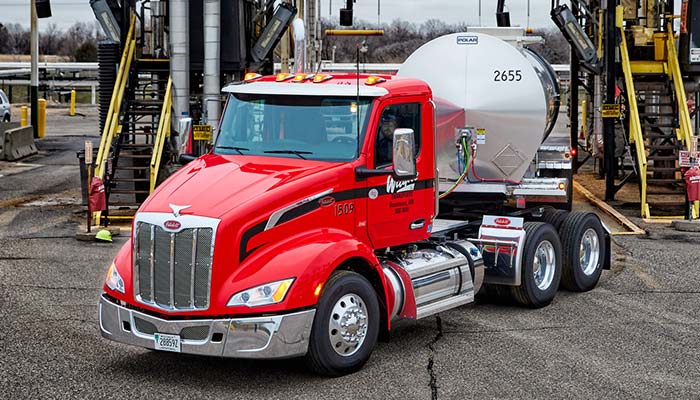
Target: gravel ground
635	336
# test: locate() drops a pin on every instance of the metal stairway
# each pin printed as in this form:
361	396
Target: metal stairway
134	135
659	127
658	111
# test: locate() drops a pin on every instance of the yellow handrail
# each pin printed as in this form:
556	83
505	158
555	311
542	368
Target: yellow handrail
674	70
635	129
115	103
163	133
686	129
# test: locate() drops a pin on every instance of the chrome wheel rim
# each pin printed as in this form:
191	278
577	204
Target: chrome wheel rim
544	265
347	327
589	251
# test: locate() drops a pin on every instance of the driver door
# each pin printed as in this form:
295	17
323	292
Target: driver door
400	212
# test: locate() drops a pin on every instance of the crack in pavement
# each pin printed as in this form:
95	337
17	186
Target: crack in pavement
431	360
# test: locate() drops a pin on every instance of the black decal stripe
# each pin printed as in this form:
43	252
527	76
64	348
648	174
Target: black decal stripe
350	194
304	209
299	211
247	235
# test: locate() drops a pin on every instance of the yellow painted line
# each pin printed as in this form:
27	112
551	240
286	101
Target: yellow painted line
633	229
661	220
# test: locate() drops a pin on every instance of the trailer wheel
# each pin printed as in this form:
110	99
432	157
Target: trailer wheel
554	216
541	266
583	245
346	325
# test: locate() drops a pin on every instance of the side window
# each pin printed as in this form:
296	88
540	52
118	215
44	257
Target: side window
393	117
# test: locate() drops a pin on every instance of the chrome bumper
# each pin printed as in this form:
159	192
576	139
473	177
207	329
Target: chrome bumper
277	336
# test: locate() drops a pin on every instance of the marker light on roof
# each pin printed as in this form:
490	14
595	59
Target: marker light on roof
373	80
322	78
250	76
302	77
283	77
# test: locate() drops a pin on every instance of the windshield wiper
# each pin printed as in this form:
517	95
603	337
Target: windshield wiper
295	152
236	148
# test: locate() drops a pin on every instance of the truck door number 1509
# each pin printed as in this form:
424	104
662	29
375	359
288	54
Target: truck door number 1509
343	208
511	75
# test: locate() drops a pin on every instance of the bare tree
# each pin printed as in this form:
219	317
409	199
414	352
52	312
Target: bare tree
555	48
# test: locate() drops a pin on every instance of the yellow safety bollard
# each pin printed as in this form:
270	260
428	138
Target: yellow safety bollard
23	116
41	120
72	103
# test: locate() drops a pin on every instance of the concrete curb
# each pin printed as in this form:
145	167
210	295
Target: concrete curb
17	143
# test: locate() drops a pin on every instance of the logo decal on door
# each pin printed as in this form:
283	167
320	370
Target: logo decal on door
393	186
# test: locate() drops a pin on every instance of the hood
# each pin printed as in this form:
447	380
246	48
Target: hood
212	185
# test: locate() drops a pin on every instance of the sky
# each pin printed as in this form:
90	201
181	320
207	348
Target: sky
67	12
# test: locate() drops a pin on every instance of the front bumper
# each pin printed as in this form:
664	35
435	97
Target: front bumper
276	336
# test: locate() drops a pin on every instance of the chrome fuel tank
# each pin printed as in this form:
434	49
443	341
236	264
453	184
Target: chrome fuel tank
508	93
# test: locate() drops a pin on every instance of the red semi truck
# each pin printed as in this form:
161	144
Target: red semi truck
312	226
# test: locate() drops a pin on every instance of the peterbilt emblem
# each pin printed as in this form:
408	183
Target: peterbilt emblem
326	201
172	225
176	209
502	221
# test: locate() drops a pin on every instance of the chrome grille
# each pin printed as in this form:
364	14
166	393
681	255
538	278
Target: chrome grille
173	270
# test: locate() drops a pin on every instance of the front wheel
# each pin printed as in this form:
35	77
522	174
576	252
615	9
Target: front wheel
345	327
541	266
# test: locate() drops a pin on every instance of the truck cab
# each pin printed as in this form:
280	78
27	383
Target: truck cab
312	224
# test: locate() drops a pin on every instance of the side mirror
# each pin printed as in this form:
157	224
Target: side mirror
404	154
186	158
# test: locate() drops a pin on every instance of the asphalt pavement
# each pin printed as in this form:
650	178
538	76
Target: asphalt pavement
634	336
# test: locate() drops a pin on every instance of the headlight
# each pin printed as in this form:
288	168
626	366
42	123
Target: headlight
114	281
269	293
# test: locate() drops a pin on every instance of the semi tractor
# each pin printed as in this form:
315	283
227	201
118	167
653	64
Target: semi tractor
333	205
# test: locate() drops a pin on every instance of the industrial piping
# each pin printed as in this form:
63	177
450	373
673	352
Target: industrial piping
180	59
212	80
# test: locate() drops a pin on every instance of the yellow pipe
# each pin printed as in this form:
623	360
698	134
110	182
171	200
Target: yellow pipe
41	120
354	32
23	116
72	103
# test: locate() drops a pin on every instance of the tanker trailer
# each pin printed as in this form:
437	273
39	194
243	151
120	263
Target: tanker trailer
503	99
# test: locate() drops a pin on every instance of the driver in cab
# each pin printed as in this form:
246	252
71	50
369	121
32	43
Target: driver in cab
385	138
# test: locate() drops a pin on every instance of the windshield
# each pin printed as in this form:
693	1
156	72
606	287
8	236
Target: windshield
308	127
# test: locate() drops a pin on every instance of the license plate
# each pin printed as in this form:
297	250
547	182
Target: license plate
167	342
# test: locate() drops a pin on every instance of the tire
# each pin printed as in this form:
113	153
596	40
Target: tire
542	245
6	118
329	353
554	217
583	251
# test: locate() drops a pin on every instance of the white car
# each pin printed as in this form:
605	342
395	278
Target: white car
5	110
